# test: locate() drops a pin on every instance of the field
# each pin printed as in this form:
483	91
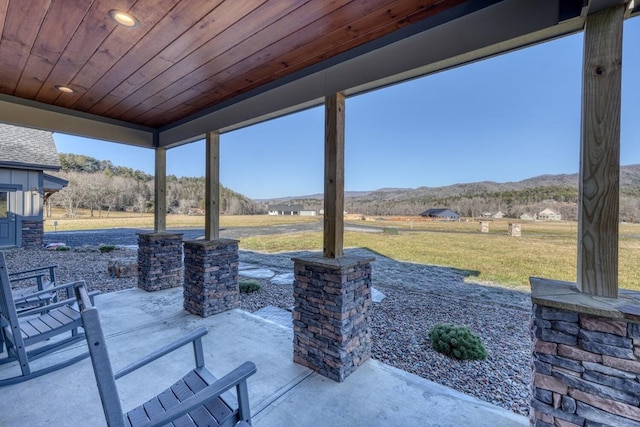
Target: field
546	249
83	220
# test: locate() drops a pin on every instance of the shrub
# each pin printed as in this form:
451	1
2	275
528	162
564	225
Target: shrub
457	342
106	248
63	248
250	285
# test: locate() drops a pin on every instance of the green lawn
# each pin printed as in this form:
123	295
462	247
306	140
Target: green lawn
84	221
545	250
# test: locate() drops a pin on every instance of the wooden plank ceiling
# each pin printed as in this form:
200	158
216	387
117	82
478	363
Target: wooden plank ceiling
185	55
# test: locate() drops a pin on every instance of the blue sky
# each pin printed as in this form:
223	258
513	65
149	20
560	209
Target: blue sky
507	118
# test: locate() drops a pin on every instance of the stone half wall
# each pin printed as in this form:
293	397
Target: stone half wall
331	316
32	234
586	358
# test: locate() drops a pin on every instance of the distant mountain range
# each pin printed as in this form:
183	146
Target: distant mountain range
557	192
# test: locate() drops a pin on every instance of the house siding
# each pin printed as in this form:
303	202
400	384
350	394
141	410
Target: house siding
24	202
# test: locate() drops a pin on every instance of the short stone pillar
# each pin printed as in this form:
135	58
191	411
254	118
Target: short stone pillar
32	234
331	318
159	261
514	230
211	276
484	226
586	357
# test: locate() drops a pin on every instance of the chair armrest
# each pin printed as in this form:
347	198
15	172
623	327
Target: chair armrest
42	285
65	286
232	379
61	303
33	270
194	336
31	276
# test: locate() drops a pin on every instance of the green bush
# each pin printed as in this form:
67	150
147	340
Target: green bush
63	248
457	342
249	285
106	248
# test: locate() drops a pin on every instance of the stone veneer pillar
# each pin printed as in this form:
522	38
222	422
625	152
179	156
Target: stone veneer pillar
159	261
211	276
331	318
586	357
32	234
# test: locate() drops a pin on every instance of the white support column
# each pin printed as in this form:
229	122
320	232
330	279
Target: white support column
212	187
598	209
334	176
160	191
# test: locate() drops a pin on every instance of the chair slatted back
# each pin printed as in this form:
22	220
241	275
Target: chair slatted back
100	359
7	305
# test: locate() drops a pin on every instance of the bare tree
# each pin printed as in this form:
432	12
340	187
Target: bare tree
72	196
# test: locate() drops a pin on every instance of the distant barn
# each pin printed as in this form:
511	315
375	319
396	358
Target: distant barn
441	214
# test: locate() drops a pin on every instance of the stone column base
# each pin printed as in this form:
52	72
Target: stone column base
331	318
32	234
586	357
211	276
159	261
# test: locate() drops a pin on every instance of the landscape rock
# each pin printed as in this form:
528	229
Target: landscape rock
283	279
257	273
123	267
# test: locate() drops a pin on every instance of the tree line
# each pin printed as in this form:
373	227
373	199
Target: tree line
472	204
102	187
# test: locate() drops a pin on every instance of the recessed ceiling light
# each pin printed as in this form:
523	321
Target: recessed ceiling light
65	89
123	18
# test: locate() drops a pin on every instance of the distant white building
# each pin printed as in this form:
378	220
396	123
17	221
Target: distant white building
285	209
549	215
527	217
498	215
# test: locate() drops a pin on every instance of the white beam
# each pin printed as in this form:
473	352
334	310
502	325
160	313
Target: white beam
31	114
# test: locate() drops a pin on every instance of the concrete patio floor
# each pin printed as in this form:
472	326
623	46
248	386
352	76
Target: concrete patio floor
281	393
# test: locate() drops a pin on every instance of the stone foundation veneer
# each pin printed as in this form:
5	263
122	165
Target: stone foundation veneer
211	276
331	318
586	357
159	261
32	234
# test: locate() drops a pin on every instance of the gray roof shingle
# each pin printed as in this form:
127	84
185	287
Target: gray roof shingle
25	148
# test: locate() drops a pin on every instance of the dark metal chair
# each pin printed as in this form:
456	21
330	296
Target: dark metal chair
32	333
197	399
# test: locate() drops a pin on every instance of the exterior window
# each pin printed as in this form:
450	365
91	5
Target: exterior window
4	198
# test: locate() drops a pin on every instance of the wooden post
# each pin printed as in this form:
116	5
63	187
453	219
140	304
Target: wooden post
600	154
160	191
334	176
212	188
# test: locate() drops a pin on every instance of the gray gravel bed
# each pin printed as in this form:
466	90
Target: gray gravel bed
418	297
